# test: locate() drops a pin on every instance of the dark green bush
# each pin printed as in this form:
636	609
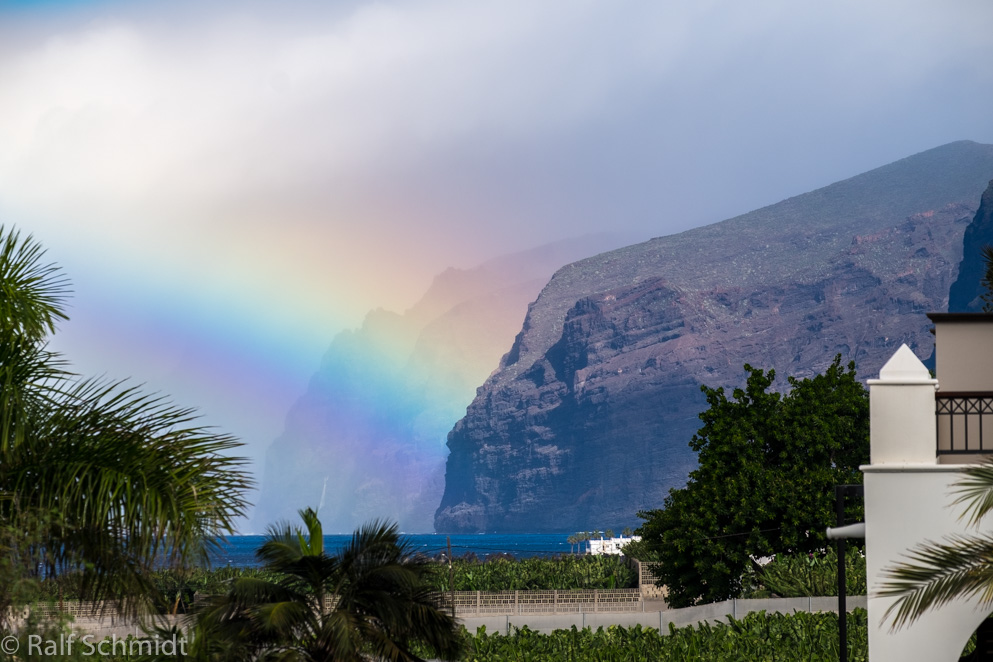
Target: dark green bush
538	573
803	575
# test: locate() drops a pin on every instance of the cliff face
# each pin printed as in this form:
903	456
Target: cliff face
367	440
966	290
588	419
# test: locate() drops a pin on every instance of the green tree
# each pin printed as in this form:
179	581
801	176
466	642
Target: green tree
111	482
373	600
768	464
937	573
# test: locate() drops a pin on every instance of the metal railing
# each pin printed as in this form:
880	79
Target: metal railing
965	422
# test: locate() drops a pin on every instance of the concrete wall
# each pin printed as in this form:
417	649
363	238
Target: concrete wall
660	620
964	351
109	625
106	626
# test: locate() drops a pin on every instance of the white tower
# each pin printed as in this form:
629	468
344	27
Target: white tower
910	481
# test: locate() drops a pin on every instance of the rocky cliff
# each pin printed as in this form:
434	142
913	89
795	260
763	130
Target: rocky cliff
967	288
367	440
587	420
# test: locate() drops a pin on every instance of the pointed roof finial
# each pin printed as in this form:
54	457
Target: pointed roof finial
904	367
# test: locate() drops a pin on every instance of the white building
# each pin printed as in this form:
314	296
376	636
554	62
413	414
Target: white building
610	545
924	432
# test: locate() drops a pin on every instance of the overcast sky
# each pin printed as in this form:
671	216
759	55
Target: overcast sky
229	184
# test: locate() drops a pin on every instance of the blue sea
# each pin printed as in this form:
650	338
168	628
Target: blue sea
239	551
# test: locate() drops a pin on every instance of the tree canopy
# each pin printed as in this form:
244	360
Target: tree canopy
110	481
767	466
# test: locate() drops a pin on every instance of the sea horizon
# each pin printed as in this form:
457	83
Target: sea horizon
239	551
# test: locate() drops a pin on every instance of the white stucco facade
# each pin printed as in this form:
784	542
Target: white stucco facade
908	500
610	545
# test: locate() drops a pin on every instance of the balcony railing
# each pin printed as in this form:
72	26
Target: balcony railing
965	422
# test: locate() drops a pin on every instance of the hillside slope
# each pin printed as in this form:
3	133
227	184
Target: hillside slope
587	420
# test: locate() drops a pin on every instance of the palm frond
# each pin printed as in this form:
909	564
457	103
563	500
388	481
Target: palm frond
32	294
282	619
976	489
938	573
381	600
134	481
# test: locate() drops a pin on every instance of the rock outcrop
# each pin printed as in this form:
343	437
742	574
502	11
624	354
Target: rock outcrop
966	292
588	419
367	440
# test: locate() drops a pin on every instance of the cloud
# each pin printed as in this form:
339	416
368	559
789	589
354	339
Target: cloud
284	168
214	108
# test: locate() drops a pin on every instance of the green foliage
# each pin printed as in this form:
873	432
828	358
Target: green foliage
768	464
562	573
373	600
109	482
176	587
19	582
643	550
757	637
807	575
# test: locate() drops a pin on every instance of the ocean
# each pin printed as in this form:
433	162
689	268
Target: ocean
239	551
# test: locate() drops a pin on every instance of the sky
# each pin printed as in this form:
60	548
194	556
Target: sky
230	184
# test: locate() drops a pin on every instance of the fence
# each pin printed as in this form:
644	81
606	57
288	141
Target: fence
75	608
484	603
467	603
646	582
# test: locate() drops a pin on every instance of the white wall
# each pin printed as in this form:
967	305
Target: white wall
908	500
904	507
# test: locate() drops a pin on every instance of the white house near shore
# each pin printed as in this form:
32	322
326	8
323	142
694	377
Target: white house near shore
924	432
610	545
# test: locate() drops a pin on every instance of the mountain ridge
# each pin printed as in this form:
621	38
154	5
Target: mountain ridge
588	418
367	438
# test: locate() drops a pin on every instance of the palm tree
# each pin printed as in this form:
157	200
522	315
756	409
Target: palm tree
373	600
114	482
961	566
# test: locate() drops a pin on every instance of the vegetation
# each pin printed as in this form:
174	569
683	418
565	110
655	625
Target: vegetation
109	482
768	464
562	573
643	550
940	572
806	575
757	637
176	588
373	600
